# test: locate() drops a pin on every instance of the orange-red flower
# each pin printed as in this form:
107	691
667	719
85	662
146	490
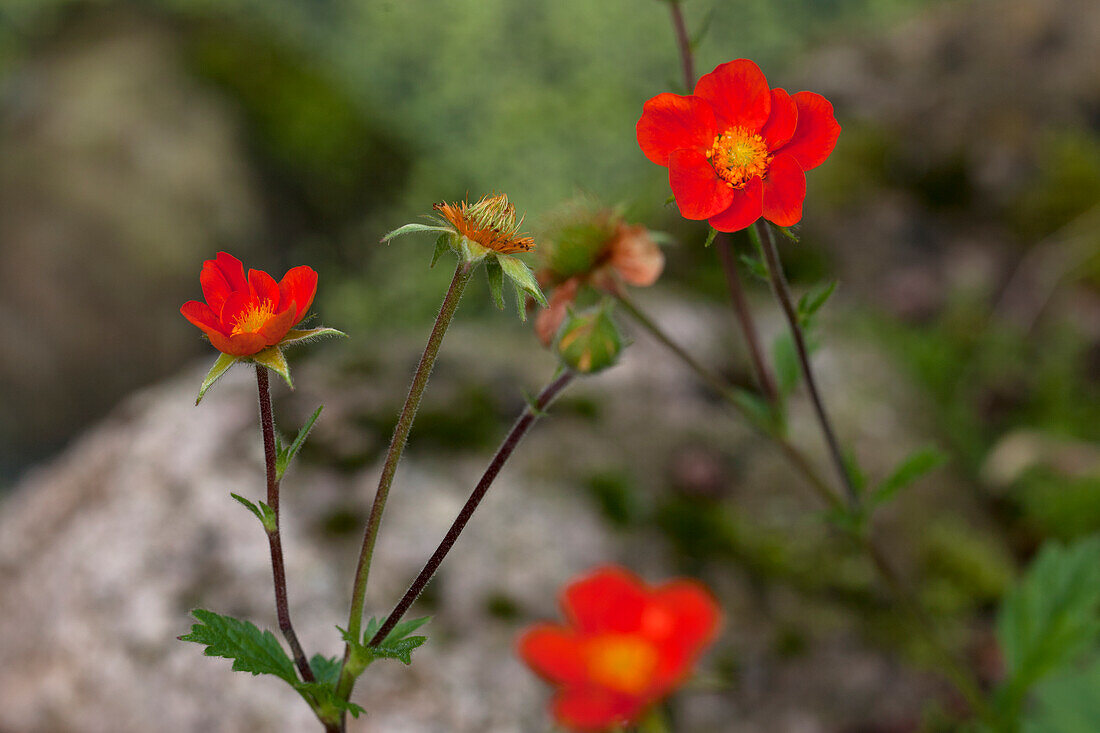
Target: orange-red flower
737	150
243	316
626	645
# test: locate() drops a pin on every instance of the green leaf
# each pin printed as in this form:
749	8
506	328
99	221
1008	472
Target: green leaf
251	650
295	336
221	366
496	283
1051	618
442	244
263	512
1068	702
914	466
400	650
325	669
790	233
397	644
787	369
710	237
755	267
273	359
756	407
810	303
521	275
284	457
413	229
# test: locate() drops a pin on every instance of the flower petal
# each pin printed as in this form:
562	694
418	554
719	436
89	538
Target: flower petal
235	306
215	288
745	208
738	92
299	284
549	319
202	316
608	599
591	708
277	326
552	652
784	191
693	612
243	344
815	136
670	122
783	120
635	256
233	271
699	192
264	286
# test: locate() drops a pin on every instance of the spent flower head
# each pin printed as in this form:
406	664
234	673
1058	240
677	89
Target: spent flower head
624	647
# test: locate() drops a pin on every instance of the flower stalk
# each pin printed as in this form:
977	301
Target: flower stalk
274	540
393	455
519	429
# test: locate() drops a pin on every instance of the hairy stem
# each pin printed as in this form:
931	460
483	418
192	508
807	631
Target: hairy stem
683	42
519	429
274	541
764	378
763	236
393	456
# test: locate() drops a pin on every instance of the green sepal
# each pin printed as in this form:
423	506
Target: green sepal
495	275
272	358
522	276
263	512
471	251
283	456
670	200
413	229
710	237
221	366
442	244
790	232
295	336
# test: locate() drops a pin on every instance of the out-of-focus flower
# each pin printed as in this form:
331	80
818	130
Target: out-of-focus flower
625	646
737	150
243	316
252	318
589	341
590	246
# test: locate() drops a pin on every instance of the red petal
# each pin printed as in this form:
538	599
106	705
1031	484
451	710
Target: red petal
745	208
738	92
553	652
690	609
784	191
783	120
235	306
299	285
215	288
670	122
699	192
548	321
243	344
594	708
264	286
817	131
232	270
608	599
202	316
277	326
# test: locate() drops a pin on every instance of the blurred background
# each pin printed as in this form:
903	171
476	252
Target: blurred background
960	213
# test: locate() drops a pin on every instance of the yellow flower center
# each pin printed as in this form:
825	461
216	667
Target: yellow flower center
253	319
738	155
622	663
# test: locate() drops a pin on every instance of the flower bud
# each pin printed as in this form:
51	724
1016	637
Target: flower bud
589	341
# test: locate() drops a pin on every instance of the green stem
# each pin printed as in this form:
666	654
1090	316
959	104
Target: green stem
393	456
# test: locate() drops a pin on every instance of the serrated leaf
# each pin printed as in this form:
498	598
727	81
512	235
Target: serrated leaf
221	366
296	337
273	359
495	274
284	457
710	237
1051	617
413	229
905	473
263	512
521	275
251	650
325	669
442	244
1068	702
404	628
400	650
755	267
787	369
810	303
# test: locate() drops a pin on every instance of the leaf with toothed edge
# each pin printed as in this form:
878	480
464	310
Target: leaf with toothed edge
221	366
273	359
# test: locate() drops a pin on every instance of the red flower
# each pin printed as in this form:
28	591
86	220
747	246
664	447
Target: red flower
737	150
243	316
626	646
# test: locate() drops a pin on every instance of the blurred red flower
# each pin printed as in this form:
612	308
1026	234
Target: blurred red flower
243	316
626	645
736	150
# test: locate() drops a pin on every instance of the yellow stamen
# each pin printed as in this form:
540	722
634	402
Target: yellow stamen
253	318
738	155
622	663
